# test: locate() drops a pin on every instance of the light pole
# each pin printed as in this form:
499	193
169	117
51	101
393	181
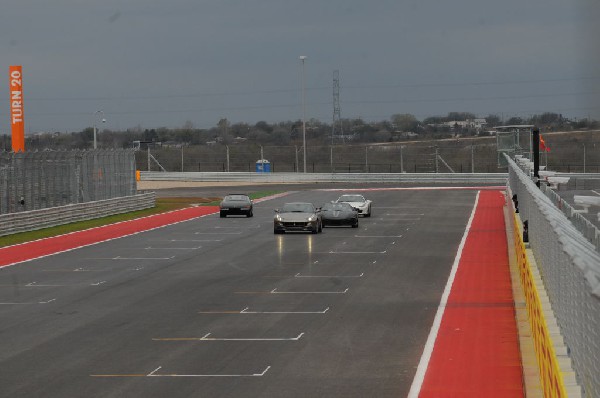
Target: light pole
103	121
401	159
303	58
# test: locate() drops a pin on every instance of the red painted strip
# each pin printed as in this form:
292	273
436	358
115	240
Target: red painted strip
476	353
44	247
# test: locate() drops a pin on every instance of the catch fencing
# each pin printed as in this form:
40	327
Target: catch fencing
39	180
416	178
453	156
570	269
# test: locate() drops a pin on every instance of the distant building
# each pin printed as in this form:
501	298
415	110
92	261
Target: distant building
476	124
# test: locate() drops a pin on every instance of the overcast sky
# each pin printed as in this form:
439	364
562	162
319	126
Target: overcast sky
155	63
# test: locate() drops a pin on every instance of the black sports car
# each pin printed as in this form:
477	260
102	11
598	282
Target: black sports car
236	204
339	214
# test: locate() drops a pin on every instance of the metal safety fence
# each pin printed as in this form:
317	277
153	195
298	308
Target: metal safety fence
39	180
32	220
569	266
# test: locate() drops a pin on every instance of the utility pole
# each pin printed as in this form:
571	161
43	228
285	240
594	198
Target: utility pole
227	147
337	118
535	138
303	58
401	159
331	157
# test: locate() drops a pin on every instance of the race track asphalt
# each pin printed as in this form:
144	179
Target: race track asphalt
224	308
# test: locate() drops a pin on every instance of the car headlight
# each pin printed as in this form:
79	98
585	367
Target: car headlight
312	218
278	218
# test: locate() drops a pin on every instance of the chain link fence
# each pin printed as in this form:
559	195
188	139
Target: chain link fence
38	180
453	156
570	269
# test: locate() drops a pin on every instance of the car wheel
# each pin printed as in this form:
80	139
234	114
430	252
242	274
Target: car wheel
278	231
250	214
368	214
222	214
355	225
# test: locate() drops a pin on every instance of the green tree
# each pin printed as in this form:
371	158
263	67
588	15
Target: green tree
460	116
515	120
493	120
405	122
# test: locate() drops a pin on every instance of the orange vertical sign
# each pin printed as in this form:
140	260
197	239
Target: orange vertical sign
17	116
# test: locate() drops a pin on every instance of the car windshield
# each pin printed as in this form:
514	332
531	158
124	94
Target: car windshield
236	198
351	198
336	206
298	208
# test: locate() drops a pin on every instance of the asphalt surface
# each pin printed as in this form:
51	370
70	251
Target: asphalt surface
224	308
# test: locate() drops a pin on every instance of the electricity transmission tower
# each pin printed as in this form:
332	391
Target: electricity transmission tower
337	119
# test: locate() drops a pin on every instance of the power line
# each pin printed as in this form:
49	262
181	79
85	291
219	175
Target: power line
316	88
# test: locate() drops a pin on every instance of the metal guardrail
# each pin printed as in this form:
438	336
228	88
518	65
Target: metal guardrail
443	178
583	225
13	223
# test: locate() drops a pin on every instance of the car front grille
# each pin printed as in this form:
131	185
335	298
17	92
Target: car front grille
296	224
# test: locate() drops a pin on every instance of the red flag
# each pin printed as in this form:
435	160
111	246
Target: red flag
543	146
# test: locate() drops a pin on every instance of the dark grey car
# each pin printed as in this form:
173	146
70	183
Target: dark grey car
339	214
236	204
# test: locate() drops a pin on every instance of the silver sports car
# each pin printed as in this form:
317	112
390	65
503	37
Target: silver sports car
297	216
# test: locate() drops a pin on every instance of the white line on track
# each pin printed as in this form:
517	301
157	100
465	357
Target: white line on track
207	338
377	236
417	383
70	270
298	275
30	303
35	284
217	233
339	252
275	291
395	220
154	374
186	240
405	214
132	258
239	226
172	248
246	311
154	371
